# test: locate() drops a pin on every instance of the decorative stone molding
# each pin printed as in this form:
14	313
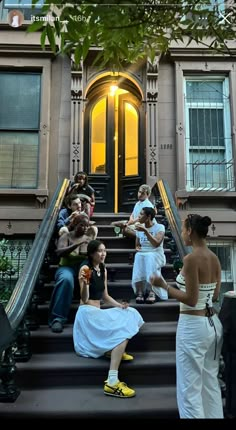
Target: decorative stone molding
76	67
41	201
152	97
152	67
152	120
179	128
181	203
77	105
76	95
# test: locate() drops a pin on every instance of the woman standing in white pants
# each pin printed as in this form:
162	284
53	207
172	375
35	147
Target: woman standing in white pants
199	334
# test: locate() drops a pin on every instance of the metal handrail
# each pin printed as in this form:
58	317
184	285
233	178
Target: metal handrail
24	288
172	217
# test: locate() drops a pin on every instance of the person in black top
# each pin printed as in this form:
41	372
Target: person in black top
85	192
99	331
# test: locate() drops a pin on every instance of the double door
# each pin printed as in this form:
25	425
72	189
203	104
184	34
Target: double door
114	149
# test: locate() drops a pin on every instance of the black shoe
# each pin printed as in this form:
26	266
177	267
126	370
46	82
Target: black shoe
57	327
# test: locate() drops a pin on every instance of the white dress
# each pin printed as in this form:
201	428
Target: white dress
97	331
149	261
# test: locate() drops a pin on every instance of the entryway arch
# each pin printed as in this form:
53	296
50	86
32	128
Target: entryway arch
114	141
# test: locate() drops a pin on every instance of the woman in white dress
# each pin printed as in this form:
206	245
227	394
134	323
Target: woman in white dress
149	258
99	331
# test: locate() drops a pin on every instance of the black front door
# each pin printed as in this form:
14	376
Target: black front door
114	149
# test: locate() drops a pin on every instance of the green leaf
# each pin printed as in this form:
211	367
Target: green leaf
35	26
86	46
51	37
127	32
43	38
78	54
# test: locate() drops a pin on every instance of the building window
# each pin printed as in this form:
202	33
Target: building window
19	129
224	252
208	135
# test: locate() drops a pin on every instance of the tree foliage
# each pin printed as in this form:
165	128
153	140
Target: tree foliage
5	263
126	31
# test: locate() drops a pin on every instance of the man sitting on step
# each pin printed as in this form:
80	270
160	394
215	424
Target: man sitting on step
128	227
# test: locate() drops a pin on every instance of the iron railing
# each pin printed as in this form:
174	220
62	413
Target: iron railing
13	255
210	176
172	217
20	298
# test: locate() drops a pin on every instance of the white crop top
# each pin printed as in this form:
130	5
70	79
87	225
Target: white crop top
206	292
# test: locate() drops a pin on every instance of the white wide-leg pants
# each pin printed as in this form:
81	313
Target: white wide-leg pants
198	348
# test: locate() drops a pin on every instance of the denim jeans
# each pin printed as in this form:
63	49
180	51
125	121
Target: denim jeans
65	280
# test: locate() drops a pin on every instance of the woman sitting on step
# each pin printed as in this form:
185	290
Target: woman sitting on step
72	248
97	331
149	257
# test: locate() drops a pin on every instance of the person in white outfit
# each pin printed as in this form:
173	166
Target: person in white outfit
199	334
15	21
128	227
97	331
149	258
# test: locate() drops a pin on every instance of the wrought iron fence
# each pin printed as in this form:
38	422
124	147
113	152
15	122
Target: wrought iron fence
211	176
224	249
13	254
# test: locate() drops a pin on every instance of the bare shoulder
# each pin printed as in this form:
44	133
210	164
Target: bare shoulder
188	259
63	239
215	259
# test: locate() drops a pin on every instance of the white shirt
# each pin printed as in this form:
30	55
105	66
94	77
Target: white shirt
145	243
139	206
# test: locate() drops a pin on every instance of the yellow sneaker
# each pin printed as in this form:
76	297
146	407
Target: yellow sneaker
118	390
125	356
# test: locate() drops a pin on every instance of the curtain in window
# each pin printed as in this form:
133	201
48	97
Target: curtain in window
19	129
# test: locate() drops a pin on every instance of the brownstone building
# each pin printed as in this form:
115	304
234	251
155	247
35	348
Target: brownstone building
173	120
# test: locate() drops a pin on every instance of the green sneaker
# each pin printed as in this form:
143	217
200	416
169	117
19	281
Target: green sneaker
118	390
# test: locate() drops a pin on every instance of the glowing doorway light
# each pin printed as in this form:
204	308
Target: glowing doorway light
113	89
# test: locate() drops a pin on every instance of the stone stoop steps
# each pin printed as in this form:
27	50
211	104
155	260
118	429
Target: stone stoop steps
56	383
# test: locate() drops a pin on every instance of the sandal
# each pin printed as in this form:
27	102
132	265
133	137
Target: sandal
151	298
140	299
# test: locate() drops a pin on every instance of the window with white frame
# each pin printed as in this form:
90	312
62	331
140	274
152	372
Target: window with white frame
208	134
19	129
224	252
